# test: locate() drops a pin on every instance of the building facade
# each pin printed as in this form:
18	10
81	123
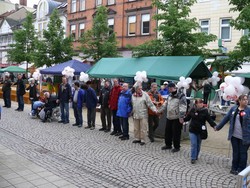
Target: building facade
8	25
43	12
131	20
214	17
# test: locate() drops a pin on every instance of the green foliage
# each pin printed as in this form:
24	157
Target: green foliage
177	36
54	48
241	53
99	41
24	47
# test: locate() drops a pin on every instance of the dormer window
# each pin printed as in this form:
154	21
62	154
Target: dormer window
42	10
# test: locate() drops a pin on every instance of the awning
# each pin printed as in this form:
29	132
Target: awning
13	69
159	67
78	66
247	78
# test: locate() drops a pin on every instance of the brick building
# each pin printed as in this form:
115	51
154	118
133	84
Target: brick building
131	20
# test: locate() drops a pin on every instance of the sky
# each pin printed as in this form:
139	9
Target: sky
29	2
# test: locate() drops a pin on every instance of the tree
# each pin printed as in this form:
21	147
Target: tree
100	41
177	36
54	48
24	47
241	52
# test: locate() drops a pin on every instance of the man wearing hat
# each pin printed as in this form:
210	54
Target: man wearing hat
176	106
165	89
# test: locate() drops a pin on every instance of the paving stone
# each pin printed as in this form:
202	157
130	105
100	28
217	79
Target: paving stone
84	158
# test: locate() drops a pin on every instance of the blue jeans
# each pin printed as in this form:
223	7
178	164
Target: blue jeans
64	111
125	126
223	102
77	114
116	122
20	102
239	162
195	140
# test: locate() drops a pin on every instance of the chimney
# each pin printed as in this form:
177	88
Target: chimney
16	6
23	2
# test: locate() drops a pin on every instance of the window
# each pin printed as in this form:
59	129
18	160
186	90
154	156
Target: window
42	10
82	5
40	29
44	25
131	25
73	31
246	32
111	2
204	24
73	6
98	2
225	33
111	22
81	29
145	18
9	39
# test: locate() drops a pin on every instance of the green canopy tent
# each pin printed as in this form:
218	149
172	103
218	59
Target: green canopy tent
13	69
157	67
247	78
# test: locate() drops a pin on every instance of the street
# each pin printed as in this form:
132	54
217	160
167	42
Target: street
92	158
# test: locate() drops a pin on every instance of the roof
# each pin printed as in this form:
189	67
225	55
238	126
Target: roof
157	67
13	69
78	66
52	5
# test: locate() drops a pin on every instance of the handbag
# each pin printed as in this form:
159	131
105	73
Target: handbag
204	132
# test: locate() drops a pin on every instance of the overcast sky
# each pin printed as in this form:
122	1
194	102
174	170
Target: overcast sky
29	2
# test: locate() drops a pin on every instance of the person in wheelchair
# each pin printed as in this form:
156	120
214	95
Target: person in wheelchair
37	107
50	104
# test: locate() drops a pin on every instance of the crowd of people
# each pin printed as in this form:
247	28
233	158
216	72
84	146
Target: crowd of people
119	102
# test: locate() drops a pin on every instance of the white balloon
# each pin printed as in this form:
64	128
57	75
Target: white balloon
236	81
188	80
229	90
223	86
214	83
185	84
228	79
239	89
182	78
6	73
179	84
215	73
217	79
226	97
84	77
242	80
141	76
68	72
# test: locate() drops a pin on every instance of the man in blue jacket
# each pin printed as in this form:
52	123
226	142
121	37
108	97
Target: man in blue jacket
64	97
78	99
91	101
124	110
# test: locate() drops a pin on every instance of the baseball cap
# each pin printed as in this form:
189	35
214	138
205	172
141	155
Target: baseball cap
165	83
171	84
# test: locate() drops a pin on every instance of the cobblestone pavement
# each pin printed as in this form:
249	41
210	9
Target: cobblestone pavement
91	158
